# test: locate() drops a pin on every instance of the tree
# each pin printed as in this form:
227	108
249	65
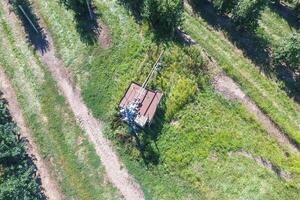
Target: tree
18	179
224	6
164	15
247	13
297	10
288	51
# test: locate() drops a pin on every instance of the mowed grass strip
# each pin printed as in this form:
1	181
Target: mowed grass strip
265	92
72	159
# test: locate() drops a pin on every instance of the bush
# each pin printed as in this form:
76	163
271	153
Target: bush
180	95
247	13
288	51
164	15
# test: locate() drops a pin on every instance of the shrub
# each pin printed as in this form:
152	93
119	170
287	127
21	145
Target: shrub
164	15
288	51
247	13
179	96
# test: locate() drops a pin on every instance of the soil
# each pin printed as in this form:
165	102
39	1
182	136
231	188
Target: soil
49	185
104	36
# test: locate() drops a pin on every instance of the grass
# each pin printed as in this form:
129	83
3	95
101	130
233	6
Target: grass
186	155
71	158
266	92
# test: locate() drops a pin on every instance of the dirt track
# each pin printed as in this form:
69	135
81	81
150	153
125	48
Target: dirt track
49	185
116	173
230	89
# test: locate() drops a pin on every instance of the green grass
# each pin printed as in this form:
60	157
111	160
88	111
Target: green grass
187	152
266	92
71	158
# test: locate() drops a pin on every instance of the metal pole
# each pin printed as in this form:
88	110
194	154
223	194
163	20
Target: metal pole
149	76
28	18
89	8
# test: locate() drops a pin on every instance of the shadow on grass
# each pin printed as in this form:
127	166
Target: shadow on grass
134	7
253	45
286	13
86	20
34	32
145	140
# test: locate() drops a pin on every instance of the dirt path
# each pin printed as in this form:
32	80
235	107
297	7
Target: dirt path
116	172
49	185
224	85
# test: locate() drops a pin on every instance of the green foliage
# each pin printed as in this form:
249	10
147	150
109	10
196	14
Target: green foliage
247	13
297	10
224	6
288	51
18	179
180	95
164	15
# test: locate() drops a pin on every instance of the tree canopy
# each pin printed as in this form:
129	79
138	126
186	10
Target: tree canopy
288	51
247	13
18	178
164	15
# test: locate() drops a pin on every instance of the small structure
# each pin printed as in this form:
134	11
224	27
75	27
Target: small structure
147	106
138	105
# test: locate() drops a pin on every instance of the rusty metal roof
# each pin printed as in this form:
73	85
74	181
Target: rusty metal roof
149	101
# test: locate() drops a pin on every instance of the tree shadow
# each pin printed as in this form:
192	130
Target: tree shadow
135	8
286	13
253	45
86	20
35	34
291	81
